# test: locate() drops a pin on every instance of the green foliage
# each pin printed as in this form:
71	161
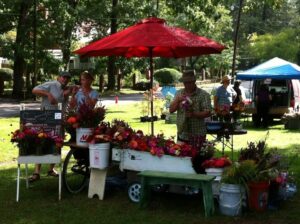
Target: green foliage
6	74
254	150
167	76
284	44
239	173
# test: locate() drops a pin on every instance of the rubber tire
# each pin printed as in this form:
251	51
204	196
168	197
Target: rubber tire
74	182
134	191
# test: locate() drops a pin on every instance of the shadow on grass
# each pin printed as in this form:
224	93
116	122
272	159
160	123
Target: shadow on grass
39	204
114	111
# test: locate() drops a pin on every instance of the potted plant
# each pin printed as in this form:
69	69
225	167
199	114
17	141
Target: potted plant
265	171
233	187
215	167
265	163
34	141
99	146
84	121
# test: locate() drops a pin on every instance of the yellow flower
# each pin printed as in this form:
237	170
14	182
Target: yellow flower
42	135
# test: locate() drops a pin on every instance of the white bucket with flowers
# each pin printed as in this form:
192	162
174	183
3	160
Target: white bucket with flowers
84	120
215	167
99	146
82	135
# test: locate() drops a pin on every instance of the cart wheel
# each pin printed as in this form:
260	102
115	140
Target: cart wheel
134	192
75	173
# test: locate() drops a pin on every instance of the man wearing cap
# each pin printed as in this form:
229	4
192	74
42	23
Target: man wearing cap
225	95
192	105
52	93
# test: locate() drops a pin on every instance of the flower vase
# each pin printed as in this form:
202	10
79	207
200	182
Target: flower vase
82	135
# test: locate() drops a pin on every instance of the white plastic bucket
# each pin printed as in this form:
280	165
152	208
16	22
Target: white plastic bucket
99	155
81	136
217	172
231	199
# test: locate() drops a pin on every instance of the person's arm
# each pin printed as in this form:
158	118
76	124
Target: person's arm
204	110
234	94
40	92
199	114
175	103
270	97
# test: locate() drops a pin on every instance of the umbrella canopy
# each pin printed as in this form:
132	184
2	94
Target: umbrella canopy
151	37
152	33
275	68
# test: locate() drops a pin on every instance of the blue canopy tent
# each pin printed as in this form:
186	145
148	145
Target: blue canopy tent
275	68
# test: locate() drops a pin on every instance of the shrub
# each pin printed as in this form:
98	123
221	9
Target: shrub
167	76
6	74
142	86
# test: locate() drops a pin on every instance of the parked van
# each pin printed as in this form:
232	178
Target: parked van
285	96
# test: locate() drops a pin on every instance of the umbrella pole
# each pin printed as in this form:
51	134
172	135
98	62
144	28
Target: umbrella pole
151	89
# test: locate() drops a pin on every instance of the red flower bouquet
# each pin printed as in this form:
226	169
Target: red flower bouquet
32	141
101	134
85	117
216	163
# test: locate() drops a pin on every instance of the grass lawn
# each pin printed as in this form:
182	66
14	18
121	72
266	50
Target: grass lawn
39	204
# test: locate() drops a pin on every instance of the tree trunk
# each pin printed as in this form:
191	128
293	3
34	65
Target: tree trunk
111	73
69	25
119	80
111	61
133	80
21	37
101	83
1	86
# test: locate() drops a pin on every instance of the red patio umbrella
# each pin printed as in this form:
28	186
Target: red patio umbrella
151	37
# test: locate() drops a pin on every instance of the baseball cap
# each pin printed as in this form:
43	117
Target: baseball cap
65	74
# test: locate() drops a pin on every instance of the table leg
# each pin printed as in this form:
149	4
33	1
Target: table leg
97	183
208	199
26	175
59	182
145	192
18	183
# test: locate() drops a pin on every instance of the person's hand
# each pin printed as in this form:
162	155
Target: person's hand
51	99
179	99
74	89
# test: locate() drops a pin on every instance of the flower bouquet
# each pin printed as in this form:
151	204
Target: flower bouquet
187	104
216	162
81	123
101	134
85	117
32	141
223	113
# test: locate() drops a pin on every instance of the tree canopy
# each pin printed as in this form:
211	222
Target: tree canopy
31	28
